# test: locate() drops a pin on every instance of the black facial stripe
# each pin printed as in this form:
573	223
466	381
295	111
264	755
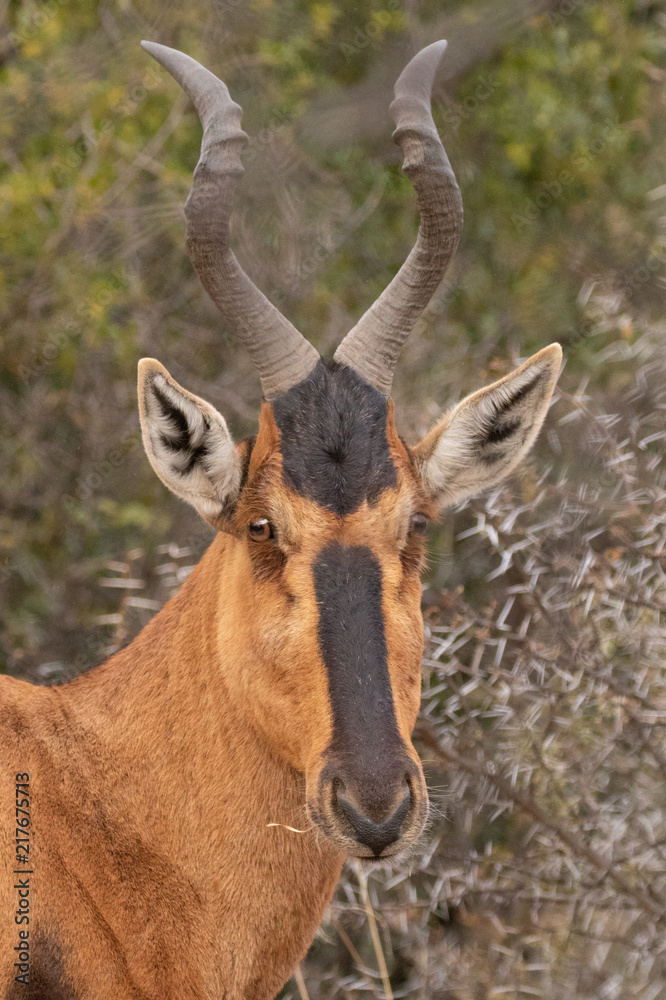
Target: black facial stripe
333	439
366	741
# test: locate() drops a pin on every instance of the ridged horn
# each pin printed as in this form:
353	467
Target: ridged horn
372	347
282	355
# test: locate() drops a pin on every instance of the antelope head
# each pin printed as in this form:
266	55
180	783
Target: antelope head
324	512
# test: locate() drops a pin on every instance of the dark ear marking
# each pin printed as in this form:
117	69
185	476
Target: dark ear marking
188	444
500	432
197	457
480	441
492	458
180	439
522	392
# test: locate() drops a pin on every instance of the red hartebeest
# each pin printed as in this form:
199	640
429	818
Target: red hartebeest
280	687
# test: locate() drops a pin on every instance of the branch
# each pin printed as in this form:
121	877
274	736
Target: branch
527	805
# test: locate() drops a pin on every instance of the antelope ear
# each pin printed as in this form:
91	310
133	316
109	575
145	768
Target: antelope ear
482	439
188	444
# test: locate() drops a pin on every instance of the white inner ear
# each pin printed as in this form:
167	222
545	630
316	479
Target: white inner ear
484	437
188	443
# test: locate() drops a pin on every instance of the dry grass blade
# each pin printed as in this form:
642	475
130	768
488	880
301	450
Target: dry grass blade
300	983
374	932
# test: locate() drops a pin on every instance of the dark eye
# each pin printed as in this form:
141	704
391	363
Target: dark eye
418	524
261	530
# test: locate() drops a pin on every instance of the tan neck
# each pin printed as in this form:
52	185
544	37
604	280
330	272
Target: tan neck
162	706
156	735
169	673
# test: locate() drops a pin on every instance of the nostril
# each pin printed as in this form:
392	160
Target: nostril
375	835
338	787
337	791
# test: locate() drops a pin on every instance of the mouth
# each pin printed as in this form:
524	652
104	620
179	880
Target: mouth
377	836
363	837
395	851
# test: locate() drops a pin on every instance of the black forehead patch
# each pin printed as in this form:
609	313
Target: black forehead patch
334	445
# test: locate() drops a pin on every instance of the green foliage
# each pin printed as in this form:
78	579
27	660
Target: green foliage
554	137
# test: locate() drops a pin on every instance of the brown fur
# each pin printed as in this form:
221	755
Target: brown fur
155	778
164	784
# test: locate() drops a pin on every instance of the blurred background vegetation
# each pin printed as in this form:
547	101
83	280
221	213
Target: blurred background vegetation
543	872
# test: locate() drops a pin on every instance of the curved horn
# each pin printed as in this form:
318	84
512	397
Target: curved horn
373	346
283	356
